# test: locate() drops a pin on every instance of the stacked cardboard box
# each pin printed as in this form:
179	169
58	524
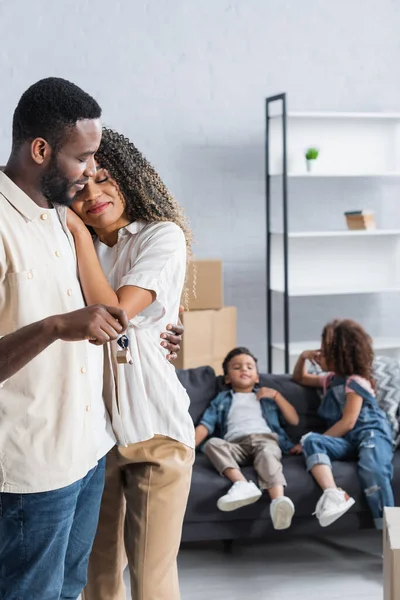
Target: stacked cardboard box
391	554
210	327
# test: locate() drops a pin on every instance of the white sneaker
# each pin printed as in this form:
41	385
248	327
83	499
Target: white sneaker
332	505
282	511
240	494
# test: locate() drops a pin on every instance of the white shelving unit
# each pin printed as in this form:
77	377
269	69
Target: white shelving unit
337	262
321	175
383	345
330	263
351	144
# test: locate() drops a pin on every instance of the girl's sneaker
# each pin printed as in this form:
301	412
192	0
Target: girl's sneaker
332	505
282	511
240	494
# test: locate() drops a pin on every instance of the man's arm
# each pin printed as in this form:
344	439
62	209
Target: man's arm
98	324
172	338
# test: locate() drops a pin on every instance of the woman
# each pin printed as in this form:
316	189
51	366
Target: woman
137	262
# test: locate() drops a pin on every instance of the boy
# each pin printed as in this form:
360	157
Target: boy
248	419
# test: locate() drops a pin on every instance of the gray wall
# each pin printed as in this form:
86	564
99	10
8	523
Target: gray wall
186	80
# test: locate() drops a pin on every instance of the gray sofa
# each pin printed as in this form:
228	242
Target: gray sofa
203	520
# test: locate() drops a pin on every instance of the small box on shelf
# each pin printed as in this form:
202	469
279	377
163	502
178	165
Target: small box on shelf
360	219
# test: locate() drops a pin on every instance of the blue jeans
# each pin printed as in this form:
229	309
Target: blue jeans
374	452
46	539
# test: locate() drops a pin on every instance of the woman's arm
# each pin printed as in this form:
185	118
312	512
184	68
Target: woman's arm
300	374
349	418
95	286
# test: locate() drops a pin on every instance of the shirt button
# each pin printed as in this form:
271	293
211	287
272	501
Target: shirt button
69	292
30	275
87	408
83	370
58	253
43	216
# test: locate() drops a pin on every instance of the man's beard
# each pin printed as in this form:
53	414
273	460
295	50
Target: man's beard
55	186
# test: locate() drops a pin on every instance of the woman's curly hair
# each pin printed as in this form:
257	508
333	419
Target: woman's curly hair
348	349
145	195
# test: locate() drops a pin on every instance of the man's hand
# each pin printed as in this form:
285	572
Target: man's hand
266	392
172	338
297	449
98	324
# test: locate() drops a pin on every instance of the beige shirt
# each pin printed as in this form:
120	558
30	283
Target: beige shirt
151	400
47	430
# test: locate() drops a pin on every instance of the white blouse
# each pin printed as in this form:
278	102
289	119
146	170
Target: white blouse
151	400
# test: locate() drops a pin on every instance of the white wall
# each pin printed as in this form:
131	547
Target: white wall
186	81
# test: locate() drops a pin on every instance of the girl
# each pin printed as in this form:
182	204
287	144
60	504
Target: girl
137	262
357	427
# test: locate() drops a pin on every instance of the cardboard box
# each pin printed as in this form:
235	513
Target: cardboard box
197	342
225	331
205	277
209	336
391	554
217	363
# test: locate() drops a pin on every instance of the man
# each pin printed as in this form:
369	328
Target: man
54	429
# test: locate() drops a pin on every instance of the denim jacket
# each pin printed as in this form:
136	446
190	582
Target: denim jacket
216	417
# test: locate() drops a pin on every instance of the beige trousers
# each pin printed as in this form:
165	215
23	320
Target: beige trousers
260	450
142	510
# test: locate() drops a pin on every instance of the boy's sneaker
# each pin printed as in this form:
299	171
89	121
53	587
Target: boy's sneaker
332	505
240	494
282	511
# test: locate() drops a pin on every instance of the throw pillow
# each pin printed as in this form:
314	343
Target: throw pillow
387	377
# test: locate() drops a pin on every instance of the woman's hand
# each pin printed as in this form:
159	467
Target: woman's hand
75	223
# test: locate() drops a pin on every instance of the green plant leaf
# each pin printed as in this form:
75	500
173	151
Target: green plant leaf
312	153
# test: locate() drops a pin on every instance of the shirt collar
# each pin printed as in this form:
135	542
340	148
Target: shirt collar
255	390
135	227
21	201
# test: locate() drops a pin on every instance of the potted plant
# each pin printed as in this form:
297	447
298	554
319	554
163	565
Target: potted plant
311	156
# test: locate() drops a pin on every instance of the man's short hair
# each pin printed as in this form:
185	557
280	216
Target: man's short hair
49	108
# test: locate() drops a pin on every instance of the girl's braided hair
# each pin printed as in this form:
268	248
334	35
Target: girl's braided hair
348	349
145	195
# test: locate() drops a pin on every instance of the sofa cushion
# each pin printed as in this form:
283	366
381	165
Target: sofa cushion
208	486
201	386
